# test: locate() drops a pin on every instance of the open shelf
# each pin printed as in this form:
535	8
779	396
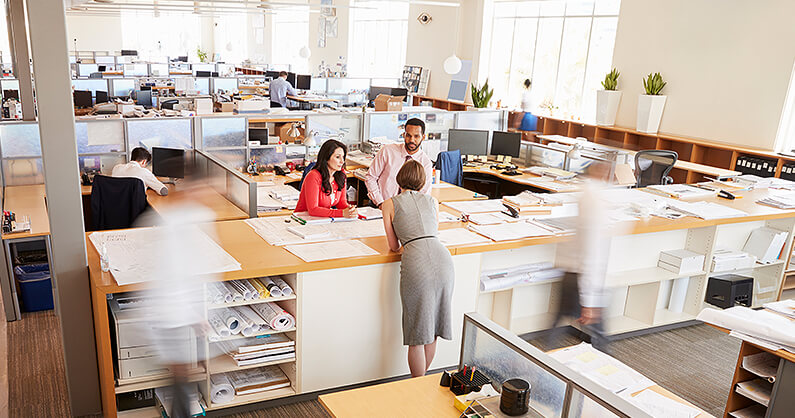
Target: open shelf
241	336
665	317
254	397
531	323
249	302
623	324
224	363
522	285
644	275
145	412
161	380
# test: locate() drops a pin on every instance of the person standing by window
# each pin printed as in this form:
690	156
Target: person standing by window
529	121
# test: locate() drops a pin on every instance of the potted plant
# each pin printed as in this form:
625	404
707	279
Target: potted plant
481	96
201	54
651	104
607	100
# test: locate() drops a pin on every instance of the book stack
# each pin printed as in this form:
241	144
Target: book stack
258	380
765	244
527	204
267	349
728	260
681	261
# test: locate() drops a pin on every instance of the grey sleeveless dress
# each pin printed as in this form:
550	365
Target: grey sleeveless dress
426	270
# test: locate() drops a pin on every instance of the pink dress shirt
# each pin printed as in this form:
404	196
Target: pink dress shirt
380	180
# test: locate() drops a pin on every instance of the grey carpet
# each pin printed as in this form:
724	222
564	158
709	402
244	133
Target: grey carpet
696	363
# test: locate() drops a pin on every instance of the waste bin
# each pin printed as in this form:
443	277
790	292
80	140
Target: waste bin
35	286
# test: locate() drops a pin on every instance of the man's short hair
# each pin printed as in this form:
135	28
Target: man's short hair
416	122
139	154
282	73
411	176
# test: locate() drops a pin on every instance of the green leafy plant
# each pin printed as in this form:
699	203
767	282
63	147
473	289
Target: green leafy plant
611	80
653	83
201	54
481	96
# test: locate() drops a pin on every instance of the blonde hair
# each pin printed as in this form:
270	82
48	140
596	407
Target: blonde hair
411	176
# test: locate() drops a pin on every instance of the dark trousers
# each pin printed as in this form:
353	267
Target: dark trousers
570	306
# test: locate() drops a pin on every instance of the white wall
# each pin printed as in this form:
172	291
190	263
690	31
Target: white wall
335	47
94	33
727	65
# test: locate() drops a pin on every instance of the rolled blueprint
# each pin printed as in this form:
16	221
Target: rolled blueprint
261	289
231	320
242	289
221	389
214	296
251	315
247	326
251	289
236	295
274	289
276	317
283	286
227	295
218	324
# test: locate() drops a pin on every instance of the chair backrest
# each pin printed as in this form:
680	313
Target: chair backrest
450	166
116	202
308	168
652	166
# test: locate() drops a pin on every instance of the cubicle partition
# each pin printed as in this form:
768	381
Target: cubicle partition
556	390
225	138
345	127
233	185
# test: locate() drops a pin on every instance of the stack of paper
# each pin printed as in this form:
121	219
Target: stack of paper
783	307
757	389
305	218
681	191
780	201
549	184
493	218
754	181
527	203
283	230
460	236
705	210
563	225
761	327
272	198
258	380
512	231
266	349
764	365
728	260
368	213
555	173
660	406
602	369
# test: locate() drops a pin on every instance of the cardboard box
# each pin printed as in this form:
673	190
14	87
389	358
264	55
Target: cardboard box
385	102
225	107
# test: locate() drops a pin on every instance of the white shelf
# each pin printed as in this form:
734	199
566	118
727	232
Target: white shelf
249	302
157	381
644	275
622	324
531	323
665	317
757	265
146	412
254	397
224	363
522	285
240	336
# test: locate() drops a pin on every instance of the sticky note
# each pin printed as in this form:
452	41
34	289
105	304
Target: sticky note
607	370
586	357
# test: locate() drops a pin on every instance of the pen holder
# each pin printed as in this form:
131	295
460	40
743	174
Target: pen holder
461	384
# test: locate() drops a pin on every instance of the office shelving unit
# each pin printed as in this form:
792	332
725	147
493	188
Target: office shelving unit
779	392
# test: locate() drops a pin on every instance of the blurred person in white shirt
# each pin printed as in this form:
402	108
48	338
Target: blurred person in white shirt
139	159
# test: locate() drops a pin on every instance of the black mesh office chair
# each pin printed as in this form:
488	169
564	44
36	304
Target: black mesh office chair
116	202
653	166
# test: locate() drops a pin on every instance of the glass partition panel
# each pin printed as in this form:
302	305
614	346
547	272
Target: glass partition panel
85	70
270	155
347	85
347	126
237	191
216	177
318	85
122	87
233	158
22	171
92	85
103	163
296	152
501	362
222	132
100	136
9	84
136	70
391	124
163	132
583	406
20	140
203	67
225	84
202	85
158	70
483	120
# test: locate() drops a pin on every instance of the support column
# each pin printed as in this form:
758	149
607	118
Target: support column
20	57
48	44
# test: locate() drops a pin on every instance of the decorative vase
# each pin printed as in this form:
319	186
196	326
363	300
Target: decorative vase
607	106
650	110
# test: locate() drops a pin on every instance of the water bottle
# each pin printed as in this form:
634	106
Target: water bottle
103	259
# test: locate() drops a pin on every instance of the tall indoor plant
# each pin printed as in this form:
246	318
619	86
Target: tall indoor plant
651	104
607	100
481	96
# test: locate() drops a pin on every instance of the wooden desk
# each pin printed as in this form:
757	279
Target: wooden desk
314	100
28	201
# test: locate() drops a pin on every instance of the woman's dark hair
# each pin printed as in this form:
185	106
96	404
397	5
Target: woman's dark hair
325	153
527	83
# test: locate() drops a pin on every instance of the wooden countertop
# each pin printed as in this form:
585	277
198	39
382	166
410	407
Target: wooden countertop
311	99
780	353
28	201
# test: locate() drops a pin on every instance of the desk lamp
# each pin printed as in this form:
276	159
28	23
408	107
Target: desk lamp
294	132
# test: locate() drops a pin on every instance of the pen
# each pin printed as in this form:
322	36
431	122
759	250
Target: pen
473	374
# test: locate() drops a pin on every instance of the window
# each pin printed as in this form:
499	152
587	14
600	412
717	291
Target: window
564	47
377	46
165	34
290	34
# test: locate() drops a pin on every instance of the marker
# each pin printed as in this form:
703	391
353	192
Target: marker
473	374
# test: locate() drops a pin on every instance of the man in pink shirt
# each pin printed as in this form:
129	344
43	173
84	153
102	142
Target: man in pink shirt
380	180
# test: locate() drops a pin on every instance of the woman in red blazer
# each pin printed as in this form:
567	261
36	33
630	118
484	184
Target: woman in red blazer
323	190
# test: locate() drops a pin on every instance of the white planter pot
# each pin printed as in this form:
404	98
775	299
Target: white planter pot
607	106
650	110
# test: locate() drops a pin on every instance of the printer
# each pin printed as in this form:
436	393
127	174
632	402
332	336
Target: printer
727	290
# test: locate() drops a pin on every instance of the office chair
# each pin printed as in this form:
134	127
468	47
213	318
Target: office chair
307	169
451	167
652	167
116	202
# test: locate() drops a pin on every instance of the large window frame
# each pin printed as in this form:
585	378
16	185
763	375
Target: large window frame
290	33
369	55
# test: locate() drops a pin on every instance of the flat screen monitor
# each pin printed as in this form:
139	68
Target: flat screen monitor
399	91
203	73
168	162
468	141
183	58
102	97
7	94
144	98
291	79
83	98
258	134
547	157
130	52
102	68
303	82
272	74
375	91
506	143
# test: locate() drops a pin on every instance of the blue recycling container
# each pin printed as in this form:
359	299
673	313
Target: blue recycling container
35	286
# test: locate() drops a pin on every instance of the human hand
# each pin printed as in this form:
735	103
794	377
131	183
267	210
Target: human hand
350	212
589	316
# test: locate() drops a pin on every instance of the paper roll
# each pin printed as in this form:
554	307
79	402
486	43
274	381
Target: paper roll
227	295
242	289
678	294
283	286
251	289
274	290
251	315
231	320
214	296
276	317
221	389
487	285
218	324
261	289
236	296
248	327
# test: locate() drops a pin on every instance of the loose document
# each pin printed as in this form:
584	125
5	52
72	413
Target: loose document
281	230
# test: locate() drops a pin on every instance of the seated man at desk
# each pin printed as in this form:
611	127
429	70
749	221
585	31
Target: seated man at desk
280	88
323	190
140	158
380	180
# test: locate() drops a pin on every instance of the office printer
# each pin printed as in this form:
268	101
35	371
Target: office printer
729	290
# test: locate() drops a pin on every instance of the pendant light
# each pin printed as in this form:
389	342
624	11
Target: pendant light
452	65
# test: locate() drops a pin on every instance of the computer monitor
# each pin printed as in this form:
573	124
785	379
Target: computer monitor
272	74
468	141
83	98
258	134
399	91
7	94
506	143
375	91
203	73
102	97
303	82
168	162
130	52
291	78
144	98
183	58
102	68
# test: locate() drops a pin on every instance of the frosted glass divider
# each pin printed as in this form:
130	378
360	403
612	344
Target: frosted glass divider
235	186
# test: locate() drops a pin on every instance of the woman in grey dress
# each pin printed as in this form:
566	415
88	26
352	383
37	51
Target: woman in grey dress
426	267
